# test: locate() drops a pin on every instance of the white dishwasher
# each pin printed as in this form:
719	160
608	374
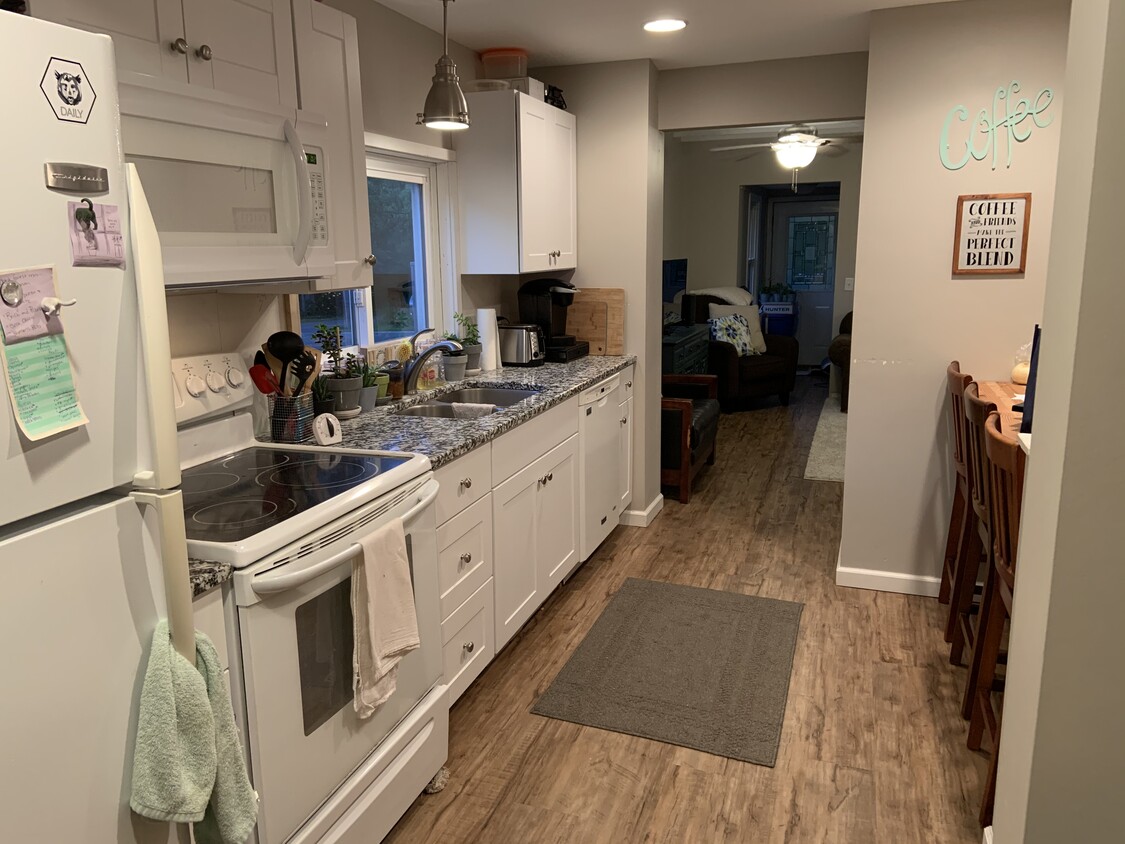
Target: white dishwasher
599	454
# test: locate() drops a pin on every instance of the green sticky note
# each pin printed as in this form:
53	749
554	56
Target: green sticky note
41	386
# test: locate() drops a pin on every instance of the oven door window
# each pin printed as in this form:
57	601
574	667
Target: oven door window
325	641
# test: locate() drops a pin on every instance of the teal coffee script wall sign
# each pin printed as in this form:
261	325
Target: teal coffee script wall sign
1006	124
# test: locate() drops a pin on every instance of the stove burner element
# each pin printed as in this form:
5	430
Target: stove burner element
204	482
244	513
308	475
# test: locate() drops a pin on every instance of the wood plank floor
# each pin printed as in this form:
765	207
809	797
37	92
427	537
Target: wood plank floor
872	748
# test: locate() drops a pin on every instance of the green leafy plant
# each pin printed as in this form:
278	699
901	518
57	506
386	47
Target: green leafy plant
369	374
320	391
328	339
470	334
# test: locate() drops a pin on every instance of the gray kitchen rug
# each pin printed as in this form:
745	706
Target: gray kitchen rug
826	455
694	667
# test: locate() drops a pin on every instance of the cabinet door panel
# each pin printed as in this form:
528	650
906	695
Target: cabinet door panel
251	45
556	517
142	30
563	210
536	178
513	558
625	485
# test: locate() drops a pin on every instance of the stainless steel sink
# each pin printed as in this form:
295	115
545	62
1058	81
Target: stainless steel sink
431	409
499	396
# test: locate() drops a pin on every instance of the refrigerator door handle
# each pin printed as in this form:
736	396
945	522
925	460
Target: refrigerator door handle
156	351
304	193
169	507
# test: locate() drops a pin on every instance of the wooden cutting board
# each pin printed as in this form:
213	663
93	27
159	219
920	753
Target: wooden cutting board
597	316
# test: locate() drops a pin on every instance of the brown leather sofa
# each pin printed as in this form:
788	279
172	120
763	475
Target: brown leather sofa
840	353
741	378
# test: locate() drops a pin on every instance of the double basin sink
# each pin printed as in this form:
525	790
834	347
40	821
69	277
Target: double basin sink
442	407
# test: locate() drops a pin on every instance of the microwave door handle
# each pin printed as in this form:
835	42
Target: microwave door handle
272	583
304	193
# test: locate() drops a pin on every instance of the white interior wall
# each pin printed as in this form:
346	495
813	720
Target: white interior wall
204	323
912	317
1062	772
702	214
620	191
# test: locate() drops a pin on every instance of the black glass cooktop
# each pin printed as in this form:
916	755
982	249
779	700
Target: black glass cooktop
235	497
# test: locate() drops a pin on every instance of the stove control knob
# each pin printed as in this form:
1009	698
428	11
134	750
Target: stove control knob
195	386
215	382
235	377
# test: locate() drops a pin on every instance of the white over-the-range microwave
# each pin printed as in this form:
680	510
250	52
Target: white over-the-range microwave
238	191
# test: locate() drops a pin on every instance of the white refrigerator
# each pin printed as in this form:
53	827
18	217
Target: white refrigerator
92	549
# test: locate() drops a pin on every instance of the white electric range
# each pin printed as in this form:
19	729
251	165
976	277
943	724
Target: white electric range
288	518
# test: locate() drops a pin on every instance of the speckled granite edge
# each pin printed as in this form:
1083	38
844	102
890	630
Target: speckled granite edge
206	575
444	440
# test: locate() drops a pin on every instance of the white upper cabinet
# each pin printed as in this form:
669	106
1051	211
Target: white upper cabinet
328	66
239	47
516	174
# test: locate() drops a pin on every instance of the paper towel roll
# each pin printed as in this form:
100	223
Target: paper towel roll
489	338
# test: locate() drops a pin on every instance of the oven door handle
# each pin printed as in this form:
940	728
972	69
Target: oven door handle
271	583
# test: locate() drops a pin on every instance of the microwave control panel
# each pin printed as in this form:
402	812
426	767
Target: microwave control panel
314	158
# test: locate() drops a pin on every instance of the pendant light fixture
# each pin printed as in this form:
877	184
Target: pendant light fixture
445	107
796	148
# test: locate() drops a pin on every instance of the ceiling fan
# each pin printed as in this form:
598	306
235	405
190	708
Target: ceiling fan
796	147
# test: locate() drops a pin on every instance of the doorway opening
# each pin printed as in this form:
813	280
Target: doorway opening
789	261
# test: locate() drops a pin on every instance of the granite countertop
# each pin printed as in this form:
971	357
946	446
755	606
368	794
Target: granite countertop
206	575
444	440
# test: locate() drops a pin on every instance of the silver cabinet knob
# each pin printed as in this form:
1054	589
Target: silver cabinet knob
205	53
371	260
469	647
550	476
466	483
628	385
466	558
179	46
624	420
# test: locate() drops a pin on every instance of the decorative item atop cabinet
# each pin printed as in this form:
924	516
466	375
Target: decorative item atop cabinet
239	48
516	174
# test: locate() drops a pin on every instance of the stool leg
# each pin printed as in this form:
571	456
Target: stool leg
988	799
964	585
986	653
952	545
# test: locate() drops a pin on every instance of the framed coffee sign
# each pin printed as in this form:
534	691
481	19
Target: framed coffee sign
991	236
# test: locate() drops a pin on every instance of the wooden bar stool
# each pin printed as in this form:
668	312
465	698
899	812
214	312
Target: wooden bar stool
958	523
1006	471
977	539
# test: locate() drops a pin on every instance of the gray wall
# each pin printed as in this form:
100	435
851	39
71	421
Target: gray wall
396	57
812	88
620	192
912	317
702	216
1061	774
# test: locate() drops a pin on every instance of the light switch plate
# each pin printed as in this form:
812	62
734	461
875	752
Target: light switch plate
849	283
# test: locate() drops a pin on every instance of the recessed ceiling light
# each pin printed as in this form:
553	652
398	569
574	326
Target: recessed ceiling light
665	25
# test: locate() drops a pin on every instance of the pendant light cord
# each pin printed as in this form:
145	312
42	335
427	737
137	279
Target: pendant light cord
445	26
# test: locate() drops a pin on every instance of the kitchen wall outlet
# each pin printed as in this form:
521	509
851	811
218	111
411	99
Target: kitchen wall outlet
849	283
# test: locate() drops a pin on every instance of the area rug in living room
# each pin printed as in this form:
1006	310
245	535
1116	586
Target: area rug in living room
693	667
826	455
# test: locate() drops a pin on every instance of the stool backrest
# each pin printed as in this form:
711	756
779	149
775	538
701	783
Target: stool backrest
976	414
1006	471
957	382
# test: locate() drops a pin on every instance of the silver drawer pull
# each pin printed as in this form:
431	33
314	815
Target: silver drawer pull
469	647
629	385
624	420
205	53
466	558
550	476
466	483
179	46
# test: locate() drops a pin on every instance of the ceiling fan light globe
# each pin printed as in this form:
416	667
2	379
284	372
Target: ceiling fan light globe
665	25
795	155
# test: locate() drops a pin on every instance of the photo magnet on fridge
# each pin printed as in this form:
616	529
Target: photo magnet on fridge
68	90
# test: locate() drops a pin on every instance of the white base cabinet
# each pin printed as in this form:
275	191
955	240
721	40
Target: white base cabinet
625	466
535	535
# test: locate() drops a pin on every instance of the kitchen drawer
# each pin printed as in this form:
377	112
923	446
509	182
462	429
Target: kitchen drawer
467	641
464	554
463	482
627	382
522	446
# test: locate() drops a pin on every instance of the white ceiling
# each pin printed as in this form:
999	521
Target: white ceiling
559	32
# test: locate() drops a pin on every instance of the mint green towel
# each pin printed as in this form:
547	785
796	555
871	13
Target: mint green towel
188	765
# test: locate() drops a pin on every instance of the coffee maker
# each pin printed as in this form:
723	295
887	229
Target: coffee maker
543	302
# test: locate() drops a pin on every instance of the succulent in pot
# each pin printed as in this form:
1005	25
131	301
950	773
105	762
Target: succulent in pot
324	400
470	342
344	375
369	392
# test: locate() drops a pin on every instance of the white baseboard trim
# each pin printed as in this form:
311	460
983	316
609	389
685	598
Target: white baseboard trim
643	518
888	581
987	835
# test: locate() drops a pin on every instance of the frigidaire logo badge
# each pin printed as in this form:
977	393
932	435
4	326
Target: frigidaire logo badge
68	90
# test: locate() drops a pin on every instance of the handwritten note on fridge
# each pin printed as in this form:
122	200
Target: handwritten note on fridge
35	358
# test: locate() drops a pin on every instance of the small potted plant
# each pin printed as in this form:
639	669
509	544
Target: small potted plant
455	364
769	293
324	400
469	340
369	392
344	378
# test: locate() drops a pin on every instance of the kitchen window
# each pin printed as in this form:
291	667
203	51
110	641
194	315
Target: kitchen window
408	213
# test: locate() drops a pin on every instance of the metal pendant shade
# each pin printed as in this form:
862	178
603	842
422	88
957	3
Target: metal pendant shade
445	107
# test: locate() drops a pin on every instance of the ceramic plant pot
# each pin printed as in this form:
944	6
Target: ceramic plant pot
455	367
327	405
382	382
367	398
474	353
346	391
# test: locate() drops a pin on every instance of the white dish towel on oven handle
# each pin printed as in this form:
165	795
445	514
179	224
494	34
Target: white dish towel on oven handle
386	624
